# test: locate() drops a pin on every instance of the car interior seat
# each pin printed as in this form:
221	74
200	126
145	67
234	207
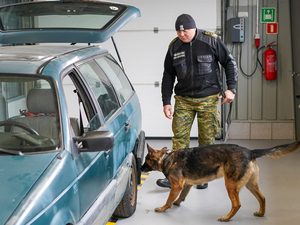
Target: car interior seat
41	104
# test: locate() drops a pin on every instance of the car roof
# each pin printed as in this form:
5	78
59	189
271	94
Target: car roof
31	59
63	21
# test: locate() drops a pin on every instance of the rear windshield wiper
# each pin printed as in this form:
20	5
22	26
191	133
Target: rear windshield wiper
11	152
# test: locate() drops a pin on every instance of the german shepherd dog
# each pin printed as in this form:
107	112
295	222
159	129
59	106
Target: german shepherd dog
186	167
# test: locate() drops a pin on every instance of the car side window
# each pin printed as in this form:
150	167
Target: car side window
101	87
82	115
116	76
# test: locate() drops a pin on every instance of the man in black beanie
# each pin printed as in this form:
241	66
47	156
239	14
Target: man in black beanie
193	59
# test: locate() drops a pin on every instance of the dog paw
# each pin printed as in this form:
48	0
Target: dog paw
177	202
223	219
159	209
258	214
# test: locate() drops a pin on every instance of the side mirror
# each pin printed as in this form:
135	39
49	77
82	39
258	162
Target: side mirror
95	141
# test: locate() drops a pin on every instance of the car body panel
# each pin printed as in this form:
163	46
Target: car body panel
104	206
31	58
16	183
57	182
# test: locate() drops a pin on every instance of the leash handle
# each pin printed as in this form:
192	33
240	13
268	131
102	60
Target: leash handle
222	93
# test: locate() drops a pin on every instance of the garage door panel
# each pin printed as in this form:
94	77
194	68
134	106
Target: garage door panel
143	52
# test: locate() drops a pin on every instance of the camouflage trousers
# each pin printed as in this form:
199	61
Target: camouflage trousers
185	110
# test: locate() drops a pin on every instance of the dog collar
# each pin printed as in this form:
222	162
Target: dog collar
167	154
163	161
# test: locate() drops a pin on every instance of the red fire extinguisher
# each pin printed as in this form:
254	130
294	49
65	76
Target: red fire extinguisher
270	63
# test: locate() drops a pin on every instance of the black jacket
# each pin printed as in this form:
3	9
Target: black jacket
195	65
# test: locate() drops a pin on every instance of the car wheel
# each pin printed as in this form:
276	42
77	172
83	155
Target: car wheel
127	205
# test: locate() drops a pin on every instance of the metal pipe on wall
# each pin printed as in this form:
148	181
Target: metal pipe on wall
295	24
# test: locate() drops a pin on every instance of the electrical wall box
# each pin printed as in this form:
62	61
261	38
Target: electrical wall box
237	29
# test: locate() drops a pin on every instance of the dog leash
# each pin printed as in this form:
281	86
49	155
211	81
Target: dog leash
228	120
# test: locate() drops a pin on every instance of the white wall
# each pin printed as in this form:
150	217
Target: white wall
143	51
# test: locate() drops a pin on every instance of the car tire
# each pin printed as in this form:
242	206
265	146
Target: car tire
127	205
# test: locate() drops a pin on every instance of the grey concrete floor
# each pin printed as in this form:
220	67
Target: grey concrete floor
279	183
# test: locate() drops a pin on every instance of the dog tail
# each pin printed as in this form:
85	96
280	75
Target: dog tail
276	151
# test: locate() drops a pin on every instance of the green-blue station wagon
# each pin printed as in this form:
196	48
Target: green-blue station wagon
71	141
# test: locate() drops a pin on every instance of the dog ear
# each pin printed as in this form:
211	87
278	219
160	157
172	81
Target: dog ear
164	148
150	150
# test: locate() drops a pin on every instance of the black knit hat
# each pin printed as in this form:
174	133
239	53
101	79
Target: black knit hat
184	22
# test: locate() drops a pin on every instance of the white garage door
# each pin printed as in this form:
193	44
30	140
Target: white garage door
142	51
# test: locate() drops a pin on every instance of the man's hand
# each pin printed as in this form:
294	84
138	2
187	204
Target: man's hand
168	111
229	97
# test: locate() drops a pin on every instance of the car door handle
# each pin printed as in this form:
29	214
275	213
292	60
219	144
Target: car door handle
127	125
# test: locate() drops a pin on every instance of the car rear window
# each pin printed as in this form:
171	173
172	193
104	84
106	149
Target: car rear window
59	15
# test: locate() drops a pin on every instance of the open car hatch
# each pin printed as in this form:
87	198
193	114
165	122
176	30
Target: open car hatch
64	21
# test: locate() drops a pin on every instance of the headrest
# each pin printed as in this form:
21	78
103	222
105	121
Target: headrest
41	101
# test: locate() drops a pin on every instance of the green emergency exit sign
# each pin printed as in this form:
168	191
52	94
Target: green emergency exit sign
268	15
